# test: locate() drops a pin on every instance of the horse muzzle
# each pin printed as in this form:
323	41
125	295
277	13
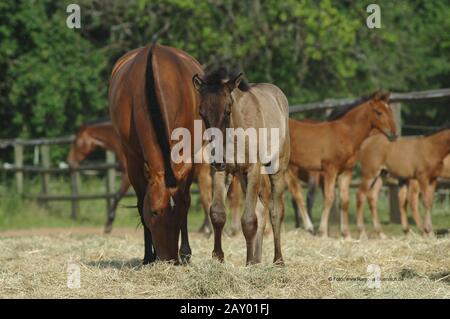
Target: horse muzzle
392	136
219	167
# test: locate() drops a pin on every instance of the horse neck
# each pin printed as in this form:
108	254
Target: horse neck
237	119
358	122
104	135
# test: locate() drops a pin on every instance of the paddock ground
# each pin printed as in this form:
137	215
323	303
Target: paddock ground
33	263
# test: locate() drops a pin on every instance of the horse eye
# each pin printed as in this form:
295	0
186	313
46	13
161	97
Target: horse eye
378	113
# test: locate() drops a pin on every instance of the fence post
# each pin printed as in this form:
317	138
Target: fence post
394	206
75	187
18	163
45	161
110	179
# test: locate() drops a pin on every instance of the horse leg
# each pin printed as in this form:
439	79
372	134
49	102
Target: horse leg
295	188
413	198
137	179
344	186
185	251
249	219
402	200
124	186
260	211
361	195
330	174
277	212
311	194
205	192
217	212
234	197
372	197
427	188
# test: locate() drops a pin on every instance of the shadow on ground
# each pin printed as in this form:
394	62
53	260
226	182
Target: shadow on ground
134	263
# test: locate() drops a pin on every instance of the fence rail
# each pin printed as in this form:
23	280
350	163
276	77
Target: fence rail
394	98
110	166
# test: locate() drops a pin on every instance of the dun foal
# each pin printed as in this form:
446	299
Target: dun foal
331	147
227	101
407	158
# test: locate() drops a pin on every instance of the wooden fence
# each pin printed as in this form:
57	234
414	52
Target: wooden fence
110	166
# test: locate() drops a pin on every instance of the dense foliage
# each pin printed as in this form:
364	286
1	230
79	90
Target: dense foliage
53	78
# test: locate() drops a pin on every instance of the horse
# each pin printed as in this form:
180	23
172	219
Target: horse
227	101
419	158
409	194
88	138
331	148
149	96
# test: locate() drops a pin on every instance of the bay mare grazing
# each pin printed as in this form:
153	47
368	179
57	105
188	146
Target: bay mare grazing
331	148
88	138
419	158
227	101
102	134
409	194
150	94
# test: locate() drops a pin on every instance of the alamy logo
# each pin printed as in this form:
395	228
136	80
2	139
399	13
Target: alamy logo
239	146
73	276
373	21
73	21
374	279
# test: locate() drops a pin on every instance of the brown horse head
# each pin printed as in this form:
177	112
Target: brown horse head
382	117
83	144
216	99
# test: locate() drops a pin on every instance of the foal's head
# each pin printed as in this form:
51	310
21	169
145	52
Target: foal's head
382	117
216	100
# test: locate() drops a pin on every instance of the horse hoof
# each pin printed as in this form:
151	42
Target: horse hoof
322	234
108	228
218	256
204	229
363	236
347	237
185	259
279	262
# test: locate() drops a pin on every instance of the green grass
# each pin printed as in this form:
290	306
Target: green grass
19	213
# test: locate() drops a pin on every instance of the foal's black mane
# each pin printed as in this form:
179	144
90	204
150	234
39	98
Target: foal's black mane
340	111
214	79
444	127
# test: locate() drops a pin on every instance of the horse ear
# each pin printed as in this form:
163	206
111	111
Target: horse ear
198	82
234	83
385	96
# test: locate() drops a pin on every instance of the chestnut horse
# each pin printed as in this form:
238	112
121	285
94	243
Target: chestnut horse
330	147
227	101
410	194
150	94
419	158
88	138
